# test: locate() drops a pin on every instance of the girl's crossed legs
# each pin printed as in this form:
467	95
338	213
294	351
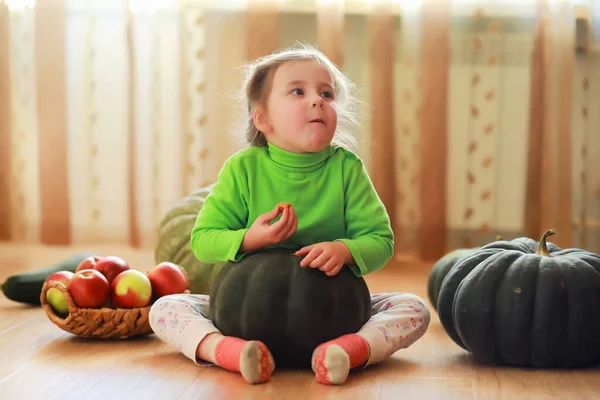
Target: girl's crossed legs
398	320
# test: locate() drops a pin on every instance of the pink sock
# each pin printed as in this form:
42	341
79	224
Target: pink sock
332	361
251	358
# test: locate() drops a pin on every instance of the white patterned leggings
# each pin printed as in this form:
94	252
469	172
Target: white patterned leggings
398	320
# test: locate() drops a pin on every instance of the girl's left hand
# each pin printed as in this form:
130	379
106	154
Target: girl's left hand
328	257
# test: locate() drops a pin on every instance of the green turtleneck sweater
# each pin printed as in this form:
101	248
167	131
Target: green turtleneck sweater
332	196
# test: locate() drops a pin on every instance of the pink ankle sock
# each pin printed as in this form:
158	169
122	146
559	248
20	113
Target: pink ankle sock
333	360
250	358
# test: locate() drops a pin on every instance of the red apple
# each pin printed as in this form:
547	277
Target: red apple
111	266
88	263
55	297
130	289
63	277
167	278
89	289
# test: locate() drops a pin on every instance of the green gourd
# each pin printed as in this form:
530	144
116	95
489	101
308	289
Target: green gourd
525	303
26	287
268	296
173	243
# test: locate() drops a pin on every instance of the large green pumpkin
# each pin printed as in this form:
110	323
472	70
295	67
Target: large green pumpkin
268	296
173	242
439	271
525	303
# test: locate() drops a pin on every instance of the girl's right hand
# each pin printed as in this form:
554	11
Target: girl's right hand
262	233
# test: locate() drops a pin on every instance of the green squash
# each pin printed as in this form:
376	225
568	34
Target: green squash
439	271
268	296
173	242
525	303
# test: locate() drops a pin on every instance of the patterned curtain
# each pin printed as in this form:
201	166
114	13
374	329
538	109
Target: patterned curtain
479	117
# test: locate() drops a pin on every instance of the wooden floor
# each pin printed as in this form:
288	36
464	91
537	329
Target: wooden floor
40	361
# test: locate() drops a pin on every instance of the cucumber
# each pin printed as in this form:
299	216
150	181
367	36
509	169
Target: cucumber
27	287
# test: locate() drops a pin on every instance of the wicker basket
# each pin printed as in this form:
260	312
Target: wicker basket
102	323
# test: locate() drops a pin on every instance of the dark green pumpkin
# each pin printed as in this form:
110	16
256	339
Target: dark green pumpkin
525	303
268	296
173	242
439	271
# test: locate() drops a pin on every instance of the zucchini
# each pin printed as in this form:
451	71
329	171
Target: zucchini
27	287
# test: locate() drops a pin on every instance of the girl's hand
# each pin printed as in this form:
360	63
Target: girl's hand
329	257
262	233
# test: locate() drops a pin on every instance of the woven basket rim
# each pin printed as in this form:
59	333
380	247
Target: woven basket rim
74	311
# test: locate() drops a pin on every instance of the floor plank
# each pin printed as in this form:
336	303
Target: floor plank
39	360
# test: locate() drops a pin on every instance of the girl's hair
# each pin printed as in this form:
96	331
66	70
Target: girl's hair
256	88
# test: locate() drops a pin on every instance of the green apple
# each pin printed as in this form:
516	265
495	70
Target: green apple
57	301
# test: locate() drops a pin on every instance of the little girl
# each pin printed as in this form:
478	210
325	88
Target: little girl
297	104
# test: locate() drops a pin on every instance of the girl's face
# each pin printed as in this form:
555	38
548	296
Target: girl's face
300	114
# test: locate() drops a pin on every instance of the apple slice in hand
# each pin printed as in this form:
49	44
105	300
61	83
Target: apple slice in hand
282	206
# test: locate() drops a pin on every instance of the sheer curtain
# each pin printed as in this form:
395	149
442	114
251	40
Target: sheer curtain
481	119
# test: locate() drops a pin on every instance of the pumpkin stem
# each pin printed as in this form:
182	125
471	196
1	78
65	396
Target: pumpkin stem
542	249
